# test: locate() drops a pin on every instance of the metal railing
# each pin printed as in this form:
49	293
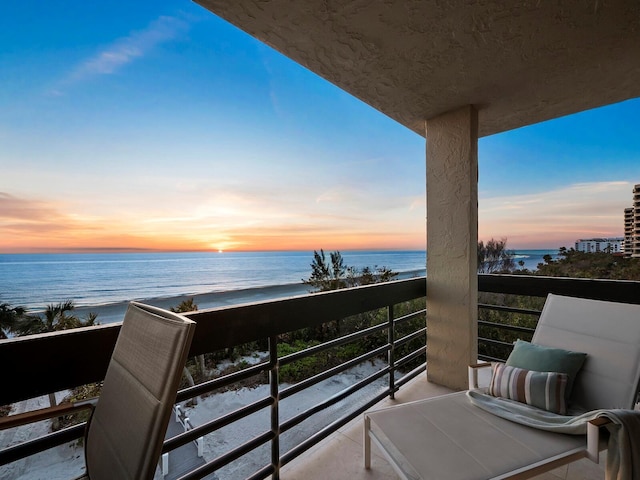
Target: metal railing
251	322
231	326
517	300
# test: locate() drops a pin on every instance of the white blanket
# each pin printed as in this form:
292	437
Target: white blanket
623	456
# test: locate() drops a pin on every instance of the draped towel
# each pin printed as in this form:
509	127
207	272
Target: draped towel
623	455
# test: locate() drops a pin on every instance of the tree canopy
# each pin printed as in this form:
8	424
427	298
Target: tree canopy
56	317
576	264
332	273
494	257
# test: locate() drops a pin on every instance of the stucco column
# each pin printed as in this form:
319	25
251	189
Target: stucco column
452	240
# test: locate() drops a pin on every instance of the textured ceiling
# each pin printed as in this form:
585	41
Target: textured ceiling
518	62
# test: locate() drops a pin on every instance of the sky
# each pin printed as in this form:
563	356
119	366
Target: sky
157	125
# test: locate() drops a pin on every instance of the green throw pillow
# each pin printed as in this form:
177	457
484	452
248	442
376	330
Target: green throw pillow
545	390
547	359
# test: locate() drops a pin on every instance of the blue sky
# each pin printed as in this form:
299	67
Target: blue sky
159	125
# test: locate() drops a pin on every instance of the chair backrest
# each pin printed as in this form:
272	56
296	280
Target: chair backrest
609	333
126	431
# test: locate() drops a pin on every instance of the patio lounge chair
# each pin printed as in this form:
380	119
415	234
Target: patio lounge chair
124	435
450	437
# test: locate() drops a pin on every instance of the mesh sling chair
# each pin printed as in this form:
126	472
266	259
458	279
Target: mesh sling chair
124	435
450	437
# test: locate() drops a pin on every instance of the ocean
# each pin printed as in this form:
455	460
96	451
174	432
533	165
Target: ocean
102	279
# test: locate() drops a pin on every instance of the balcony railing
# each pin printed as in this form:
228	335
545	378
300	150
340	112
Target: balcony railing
513	303
60	361
55	362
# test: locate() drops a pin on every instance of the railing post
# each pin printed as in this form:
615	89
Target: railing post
390	355
165	464
275	416
200	445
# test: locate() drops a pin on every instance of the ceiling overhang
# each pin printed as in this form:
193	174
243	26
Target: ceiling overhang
519	63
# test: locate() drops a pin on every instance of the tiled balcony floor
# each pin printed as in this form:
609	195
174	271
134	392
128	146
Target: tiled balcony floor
339	457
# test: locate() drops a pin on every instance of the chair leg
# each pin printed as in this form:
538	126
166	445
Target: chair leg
367	443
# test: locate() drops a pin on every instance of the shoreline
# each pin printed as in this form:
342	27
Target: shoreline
114	312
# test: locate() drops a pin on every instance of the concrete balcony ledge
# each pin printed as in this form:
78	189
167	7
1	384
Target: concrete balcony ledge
339	456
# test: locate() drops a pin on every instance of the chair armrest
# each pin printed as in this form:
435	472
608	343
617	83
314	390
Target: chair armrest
593	438
33	416
473	373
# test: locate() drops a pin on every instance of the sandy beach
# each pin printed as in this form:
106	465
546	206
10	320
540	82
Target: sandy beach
114	312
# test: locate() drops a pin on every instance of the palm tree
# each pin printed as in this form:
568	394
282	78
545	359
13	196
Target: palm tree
9	316
56	317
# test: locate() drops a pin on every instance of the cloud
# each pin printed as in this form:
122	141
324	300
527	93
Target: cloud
556	217
13	209
123	51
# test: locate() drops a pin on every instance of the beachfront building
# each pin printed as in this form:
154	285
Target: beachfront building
632	226
635	250
604	245
452	72
628	231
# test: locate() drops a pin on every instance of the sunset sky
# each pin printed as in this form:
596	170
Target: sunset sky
156	125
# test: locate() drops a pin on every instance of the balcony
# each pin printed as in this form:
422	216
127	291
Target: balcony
390	316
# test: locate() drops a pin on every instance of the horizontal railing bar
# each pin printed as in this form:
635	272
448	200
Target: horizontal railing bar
263	473
489	358
292	357
228	457
495	342
295	388
221	382
410	316
411	375
626	291
37	445
329	429
409	337
333	399
504	326
412	356
502	308
220	422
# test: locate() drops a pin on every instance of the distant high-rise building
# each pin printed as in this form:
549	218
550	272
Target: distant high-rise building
632	226
628	231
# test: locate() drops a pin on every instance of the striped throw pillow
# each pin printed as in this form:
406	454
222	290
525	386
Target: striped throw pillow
545	390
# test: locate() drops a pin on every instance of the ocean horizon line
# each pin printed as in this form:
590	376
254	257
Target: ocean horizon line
124	250
105	281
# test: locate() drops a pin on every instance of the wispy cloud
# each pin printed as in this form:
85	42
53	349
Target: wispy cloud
124	51
29	224
557	217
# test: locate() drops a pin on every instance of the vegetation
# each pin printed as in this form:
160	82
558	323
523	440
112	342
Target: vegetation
493	257
572	263
56	317
9	317
333	274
